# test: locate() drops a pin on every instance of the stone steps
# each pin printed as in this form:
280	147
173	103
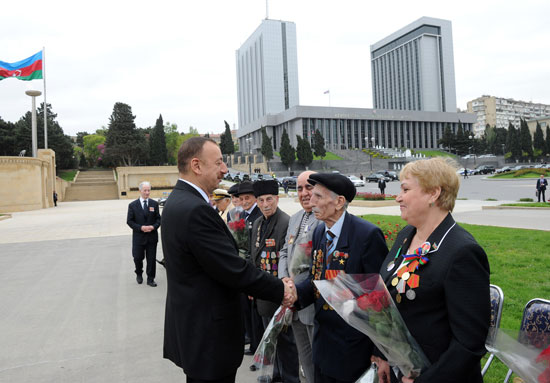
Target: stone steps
92	186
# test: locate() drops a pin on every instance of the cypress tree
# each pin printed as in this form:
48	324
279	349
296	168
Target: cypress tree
288	154
538	140
303	151
157	144
526	142
226	142
319	145
267	149
512	142
547	140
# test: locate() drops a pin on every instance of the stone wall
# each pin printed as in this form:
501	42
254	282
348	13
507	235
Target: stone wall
27	182
162	179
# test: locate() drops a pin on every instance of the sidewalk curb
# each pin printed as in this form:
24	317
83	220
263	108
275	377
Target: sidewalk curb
5	216
514	208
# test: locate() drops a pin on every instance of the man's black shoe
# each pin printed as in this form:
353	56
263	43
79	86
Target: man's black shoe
248	352
253	368
162	263
264	379
139	279
152	283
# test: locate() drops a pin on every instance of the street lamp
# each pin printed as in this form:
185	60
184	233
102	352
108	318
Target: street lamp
249	163
34	94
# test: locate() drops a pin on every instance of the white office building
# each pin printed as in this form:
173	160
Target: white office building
267	71
413	68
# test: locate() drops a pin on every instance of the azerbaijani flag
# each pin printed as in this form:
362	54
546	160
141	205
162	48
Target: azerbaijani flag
27	69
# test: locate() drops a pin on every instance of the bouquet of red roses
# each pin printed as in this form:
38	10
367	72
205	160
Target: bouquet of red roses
264	358
301	259
528	362
240	233
365	303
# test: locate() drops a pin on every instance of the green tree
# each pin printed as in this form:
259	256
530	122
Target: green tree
448	138
80	137
547	140
512	142
193	130
125	145
288	154
58	141
157	144
91	148
303	152
7	138
319	145
461	141
226	141
172	136
267	149
526	141
538	140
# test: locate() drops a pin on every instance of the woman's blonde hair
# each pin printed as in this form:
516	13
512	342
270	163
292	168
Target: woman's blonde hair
436	172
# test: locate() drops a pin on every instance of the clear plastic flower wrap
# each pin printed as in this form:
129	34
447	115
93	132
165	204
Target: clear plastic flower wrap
264	358
528	362
365	303
237	227
300	264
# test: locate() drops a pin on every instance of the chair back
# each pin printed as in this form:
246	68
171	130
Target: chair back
497	297
535	324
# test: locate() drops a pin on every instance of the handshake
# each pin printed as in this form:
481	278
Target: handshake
291	295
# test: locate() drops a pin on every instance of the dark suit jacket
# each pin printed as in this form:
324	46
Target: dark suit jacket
254	215
339	350
203	330
137	218
271	242
449	318
541	185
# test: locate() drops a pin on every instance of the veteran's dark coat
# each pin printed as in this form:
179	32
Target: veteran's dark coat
449	318
272	241
203	330
339	350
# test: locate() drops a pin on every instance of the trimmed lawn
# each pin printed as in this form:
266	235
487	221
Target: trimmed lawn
434	153
67	175
529	204
328	157
519	263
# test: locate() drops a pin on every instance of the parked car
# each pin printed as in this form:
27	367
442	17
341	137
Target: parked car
487	156
503	169
245	177
162	200
255	177
291	181
519	167
375	177
484	169
357	182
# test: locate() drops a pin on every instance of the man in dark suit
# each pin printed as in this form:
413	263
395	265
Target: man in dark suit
203	332
541	188
268	238
342	243
144	219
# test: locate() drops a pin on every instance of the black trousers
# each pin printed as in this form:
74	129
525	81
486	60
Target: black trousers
149	251
227	379
256	326
543	192
321	378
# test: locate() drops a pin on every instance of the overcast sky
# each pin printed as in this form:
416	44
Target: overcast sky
177	58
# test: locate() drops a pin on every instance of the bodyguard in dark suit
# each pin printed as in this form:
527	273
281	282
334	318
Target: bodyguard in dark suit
541	188
144	219
340	352
445	301
203	331
268	238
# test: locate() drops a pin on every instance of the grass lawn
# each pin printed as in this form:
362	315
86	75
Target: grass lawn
519	266
328	157
529	204
67	175
434	153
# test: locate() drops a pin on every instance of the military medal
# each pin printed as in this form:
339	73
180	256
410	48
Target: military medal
391	265
398	298
410	294
394	281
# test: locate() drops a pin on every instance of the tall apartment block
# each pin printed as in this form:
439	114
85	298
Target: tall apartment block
413	68
267	71
499	112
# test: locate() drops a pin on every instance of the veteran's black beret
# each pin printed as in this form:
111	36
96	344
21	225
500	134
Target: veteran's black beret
266	187
245	187
234	190
336	183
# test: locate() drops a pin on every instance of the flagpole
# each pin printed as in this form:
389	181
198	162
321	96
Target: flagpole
45	103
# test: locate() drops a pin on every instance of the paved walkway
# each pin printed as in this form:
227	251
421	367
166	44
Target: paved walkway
71	311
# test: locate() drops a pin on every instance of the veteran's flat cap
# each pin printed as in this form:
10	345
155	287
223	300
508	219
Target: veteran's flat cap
234	190
266	187
336	183
245	187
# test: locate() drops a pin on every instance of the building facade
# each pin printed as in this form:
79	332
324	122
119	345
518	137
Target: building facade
499	112
267	71
355	128
413	68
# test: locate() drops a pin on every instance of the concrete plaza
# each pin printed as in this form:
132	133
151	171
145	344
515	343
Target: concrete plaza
71	310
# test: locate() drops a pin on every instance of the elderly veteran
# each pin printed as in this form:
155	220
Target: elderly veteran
444	301
222	200
341	243
268	238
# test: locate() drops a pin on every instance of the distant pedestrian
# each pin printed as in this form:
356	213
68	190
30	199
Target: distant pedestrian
285	186
361	176
382	185
542	183
465	173
54	198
